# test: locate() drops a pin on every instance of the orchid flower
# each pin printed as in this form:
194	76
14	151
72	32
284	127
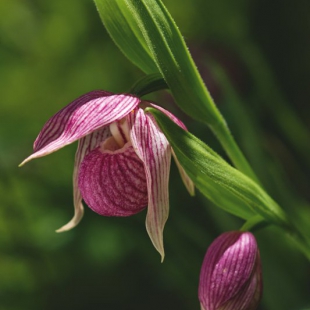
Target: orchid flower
122	162
231	274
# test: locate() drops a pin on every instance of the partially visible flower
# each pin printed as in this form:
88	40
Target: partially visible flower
122	162
231	276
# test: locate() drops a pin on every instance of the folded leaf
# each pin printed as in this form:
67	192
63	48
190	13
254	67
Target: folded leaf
123	29
147	34
215	178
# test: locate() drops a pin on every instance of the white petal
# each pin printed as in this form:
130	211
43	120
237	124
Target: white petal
185	178
154	150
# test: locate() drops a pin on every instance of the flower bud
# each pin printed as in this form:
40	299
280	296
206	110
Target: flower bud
230	276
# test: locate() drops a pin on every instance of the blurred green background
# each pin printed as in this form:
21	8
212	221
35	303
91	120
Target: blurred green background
53	51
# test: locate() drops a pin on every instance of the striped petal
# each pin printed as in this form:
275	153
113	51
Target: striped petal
154	150
113	183
86	145
230	276
169	114
80	118
248	299
185	178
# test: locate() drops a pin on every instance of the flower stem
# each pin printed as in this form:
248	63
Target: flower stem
154	82
148	84
229	144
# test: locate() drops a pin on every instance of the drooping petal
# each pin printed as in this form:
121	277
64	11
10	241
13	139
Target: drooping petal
86	145
80	118
154	150
185	178
113	183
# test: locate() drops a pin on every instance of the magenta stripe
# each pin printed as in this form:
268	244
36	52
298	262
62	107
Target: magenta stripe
80	118
57	123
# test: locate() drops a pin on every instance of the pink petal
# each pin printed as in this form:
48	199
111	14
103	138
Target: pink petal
86	145
169	114
113	183
185	178
228	266
154	150
249	298
80	118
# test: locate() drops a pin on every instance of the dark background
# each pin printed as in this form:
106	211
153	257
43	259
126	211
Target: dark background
53	51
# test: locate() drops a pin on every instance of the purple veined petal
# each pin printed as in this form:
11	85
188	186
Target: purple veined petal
256	284
228	265
248	299
86	145
239	259
154	150
80	118
113	183
185	178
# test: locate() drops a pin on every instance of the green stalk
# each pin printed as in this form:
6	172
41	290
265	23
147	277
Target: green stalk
174	62
147	34
229	144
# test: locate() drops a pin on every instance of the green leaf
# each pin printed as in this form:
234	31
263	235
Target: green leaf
215	178
147	35
148	84
173	60
124	30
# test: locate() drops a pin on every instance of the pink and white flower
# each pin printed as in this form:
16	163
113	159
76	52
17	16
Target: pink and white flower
122	162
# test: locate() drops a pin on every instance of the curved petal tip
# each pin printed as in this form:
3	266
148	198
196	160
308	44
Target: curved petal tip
26	160
74	221
158	244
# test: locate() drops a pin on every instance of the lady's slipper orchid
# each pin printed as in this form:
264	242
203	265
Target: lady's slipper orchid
230	276
123	159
